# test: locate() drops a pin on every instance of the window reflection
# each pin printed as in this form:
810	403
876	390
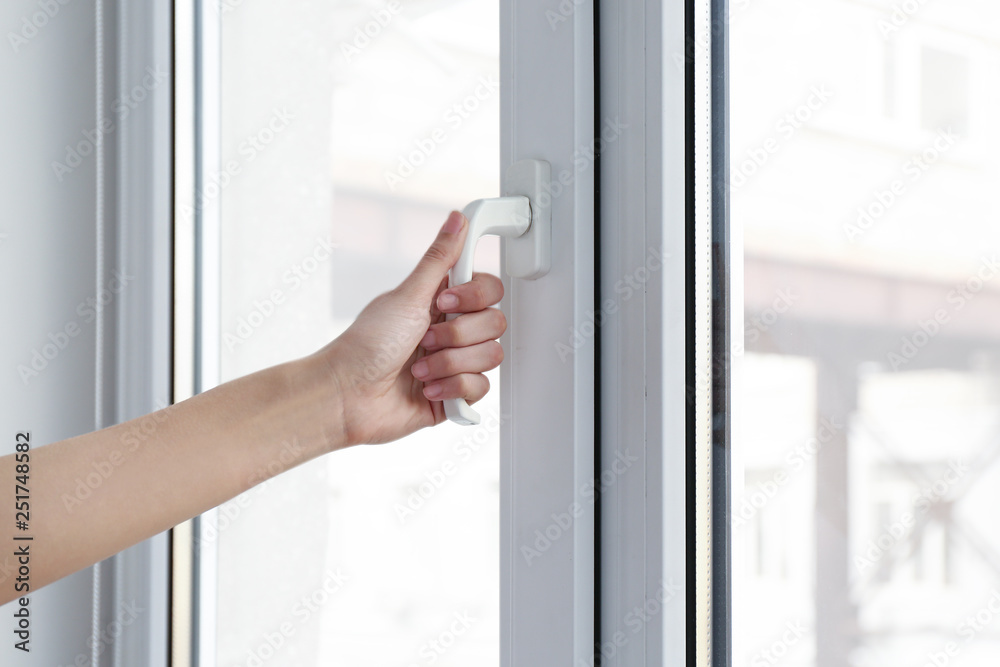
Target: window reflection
868	422
395	122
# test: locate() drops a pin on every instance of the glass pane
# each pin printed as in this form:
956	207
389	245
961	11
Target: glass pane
867	381
356	128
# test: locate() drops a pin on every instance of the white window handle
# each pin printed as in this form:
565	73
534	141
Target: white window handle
523	217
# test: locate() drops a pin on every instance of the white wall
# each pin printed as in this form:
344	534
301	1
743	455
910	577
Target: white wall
48	266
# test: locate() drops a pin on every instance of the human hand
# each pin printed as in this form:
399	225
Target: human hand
400	359
384	378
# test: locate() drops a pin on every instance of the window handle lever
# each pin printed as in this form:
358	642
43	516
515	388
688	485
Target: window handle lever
523	218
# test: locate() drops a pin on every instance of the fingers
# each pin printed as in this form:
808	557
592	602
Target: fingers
464	348
483	291
455	360
439	258
470	329
470	386
457	372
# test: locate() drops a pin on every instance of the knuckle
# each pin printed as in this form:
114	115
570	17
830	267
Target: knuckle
449	387
483	383
455	333
462	384
500	322
472	384
477	297
488	278
436	253
495	290
441	332
447	364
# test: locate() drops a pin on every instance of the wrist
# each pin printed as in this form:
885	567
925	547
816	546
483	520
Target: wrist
322	383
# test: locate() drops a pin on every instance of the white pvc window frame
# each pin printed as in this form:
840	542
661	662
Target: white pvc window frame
134	185
658	114
632	397
143	162
547	79
645	601
197	340
664	597
547	516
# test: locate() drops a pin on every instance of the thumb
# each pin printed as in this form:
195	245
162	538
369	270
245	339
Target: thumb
440	257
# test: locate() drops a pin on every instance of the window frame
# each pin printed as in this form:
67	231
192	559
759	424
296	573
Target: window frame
661	70
647	537
548	446
197	285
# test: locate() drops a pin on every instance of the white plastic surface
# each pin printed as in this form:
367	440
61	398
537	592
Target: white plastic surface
523	216
529	256
502	216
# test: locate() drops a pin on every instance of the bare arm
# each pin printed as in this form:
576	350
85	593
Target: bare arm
384	378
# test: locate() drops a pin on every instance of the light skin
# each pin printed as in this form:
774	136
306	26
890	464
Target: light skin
382	379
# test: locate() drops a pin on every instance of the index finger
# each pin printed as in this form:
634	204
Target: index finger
483	291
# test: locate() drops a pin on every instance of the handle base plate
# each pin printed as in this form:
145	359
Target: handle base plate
529	256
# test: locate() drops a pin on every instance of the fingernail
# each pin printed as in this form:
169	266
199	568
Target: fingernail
428	340
419	369
447	301
432	390
453	225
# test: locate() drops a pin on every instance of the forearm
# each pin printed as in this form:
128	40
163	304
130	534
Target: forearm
96	494
385	377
